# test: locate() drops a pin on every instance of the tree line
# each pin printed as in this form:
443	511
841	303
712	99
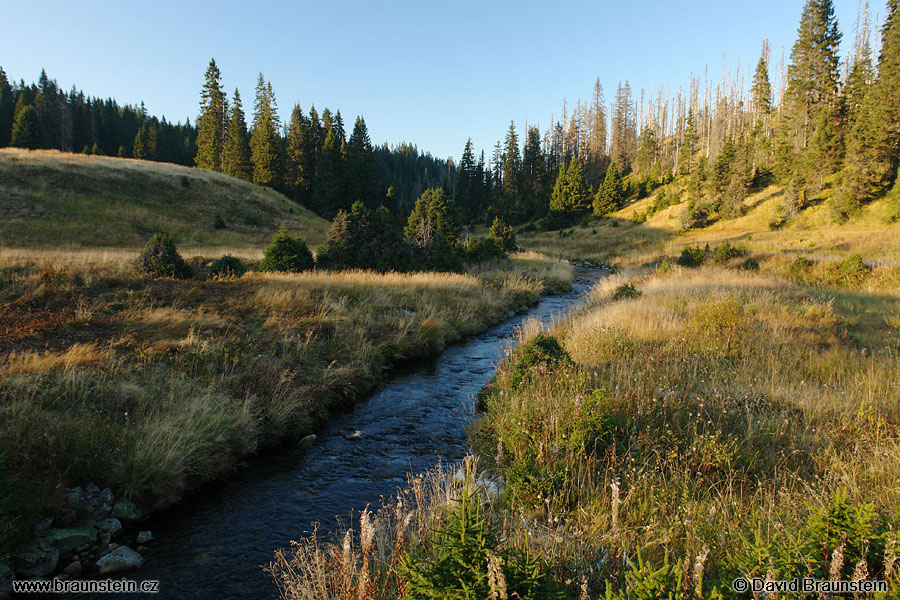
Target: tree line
43	116
311	157
827	124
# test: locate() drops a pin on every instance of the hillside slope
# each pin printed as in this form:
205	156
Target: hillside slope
56	199
620	239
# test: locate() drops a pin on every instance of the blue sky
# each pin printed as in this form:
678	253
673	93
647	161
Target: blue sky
429	73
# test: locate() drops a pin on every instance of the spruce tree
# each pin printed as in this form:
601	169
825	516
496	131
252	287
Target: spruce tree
140	146
361	176
329	188
294	147
311	149
813	75
512	164
761	91
46	102
466	181
432	220
647	153
611	194
761	95
265	139
532	161
26	132
571	194
885	114
211	122
688	145
236	155
859	180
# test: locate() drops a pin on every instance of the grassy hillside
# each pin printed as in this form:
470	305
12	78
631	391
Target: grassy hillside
619	239
56	199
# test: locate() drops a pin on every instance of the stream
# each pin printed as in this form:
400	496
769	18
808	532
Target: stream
213	546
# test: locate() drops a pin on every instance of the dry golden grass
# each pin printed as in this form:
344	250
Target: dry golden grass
716	403
78	201
814	231
151	386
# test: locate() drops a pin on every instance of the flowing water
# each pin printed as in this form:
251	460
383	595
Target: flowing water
213	546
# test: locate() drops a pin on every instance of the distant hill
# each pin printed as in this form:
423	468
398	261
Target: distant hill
56	199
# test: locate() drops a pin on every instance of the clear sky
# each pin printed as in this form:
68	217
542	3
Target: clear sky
424	72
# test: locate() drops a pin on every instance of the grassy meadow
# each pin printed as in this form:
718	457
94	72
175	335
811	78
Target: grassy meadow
691	426
53	200
152	386
685	427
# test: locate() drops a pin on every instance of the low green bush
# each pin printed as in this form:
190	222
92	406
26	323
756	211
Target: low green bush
625	291
160	258
482	249
749	264
853	268
645	582
726	251
287	253
463	559
800	265
228	266
857	531
502	234
540	353
691	257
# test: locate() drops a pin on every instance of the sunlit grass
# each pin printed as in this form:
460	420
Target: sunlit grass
152	386
59	200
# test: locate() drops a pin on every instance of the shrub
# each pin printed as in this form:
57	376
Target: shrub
663	200
691	257
749	264
693	217
664	266
287	253
643	582
854	268
185	182
365	239
440	256
219	222
159	258
463	560
482	249
800	265
858	530
639	217
541	352
625	291
503	235
726	251
228	266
